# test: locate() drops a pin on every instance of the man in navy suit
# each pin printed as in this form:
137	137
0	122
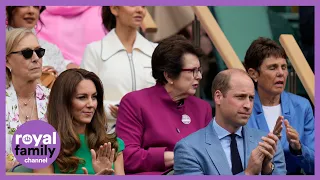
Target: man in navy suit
226	146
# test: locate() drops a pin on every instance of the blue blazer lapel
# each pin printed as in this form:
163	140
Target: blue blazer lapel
249	145
261	121
287	114
215	151
285	106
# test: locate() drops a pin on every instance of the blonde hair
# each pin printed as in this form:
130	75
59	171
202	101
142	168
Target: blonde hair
13	38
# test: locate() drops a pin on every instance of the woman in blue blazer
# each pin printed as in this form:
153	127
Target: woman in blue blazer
265	61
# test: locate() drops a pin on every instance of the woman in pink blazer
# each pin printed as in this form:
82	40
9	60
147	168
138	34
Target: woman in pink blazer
152	120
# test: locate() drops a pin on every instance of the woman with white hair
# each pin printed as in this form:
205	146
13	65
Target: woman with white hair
26	99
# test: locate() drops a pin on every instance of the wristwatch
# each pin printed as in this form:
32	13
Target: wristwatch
272	169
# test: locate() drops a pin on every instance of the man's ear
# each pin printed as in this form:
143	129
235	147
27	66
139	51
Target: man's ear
253	74
217	97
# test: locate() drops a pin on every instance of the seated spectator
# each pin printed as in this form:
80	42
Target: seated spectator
26	99
226	146
28	17
152	120
266	63
76	111
77	26
122	59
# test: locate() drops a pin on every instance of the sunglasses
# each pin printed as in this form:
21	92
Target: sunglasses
27	53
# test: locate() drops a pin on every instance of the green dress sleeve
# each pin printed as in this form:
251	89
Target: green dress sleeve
121	145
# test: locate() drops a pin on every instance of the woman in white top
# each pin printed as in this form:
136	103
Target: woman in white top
28	17
25	98
122	59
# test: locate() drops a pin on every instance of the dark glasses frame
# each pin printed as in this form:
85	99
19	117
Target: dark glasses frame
194	70
27	53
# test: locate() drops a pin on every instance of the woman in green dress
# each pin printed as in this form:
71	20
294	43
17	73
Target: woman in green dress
76	111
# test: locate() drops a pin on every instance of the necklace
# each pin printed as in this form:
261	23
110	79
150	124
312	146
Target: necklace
26	103
27	117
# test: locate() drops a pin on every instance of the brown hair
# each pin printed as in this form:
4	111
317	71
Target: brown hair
59	116
108	19
222	79
259	50
168	57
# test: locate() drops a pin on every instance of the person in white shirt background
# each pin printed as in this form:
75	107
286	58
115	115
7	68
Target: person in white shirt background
122	59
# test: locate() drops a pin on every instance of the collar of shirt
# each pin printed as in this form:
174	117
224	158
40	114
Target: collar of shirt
111	45
221	132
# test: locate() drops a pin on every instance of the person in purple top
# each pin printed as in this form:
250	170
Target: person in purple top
151	121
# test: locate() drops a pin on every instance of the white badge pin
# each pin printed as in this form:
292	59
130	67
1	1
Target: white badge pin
186	119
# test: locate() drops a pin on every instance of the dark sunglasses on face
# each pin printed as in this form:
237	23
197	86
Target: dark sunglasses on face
27	53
